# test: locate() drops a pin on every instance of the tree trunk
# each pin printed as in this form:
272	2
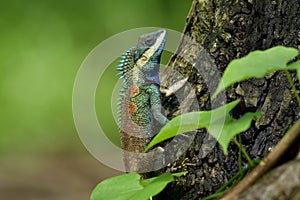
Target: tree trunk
227	30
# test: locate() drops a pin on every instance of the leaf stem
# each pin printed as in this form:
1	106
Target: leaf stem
244	152
240	154
229	184
213	196
292	83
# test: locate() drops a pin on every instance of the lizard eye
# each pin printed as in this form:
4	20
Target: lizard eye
149	41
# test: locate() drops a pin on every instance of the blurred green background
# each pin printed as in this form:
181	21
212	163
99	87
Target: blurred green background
43	43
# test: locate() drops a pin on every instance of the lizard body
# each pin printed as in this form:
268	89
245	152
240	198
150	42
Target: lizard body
140	104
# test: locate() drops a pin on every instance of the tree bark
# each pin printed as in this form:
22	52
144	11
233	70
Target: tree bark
227	30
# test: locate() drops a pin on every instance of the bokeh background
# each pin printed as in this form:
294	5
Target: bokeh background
43	43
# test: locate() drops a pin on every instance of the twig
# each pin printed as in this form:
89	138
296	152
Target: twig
290	139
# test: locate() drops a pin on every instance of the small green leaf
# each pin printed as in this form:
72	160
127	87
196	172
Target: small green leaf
218	122
119	187
178	174
230	128
256	64
153	186
130	187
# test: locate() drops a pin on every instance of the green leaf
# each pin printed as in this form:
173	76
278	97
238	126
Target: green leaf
119	188
130	187
218	123
256	64
231	128
178	174
153	186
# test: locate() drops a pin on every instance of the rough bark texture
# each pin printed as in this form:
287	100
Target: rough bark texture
280	184
227	30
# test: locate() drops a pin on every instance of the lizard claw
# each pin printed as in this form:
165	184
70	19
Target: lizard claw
174	88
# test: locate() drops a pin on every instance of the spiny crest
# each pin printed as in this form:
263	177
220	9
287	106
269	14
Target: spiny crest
126	63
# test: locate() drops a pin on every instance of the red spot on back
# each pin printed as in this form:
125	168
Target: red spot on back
134	91
131	108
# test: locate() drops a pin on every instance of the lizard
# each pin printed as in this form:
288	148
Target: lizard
140	106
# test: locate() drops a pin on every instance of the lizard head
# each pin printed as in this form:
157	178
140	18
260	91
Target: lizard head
144	57
154	40
148	52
